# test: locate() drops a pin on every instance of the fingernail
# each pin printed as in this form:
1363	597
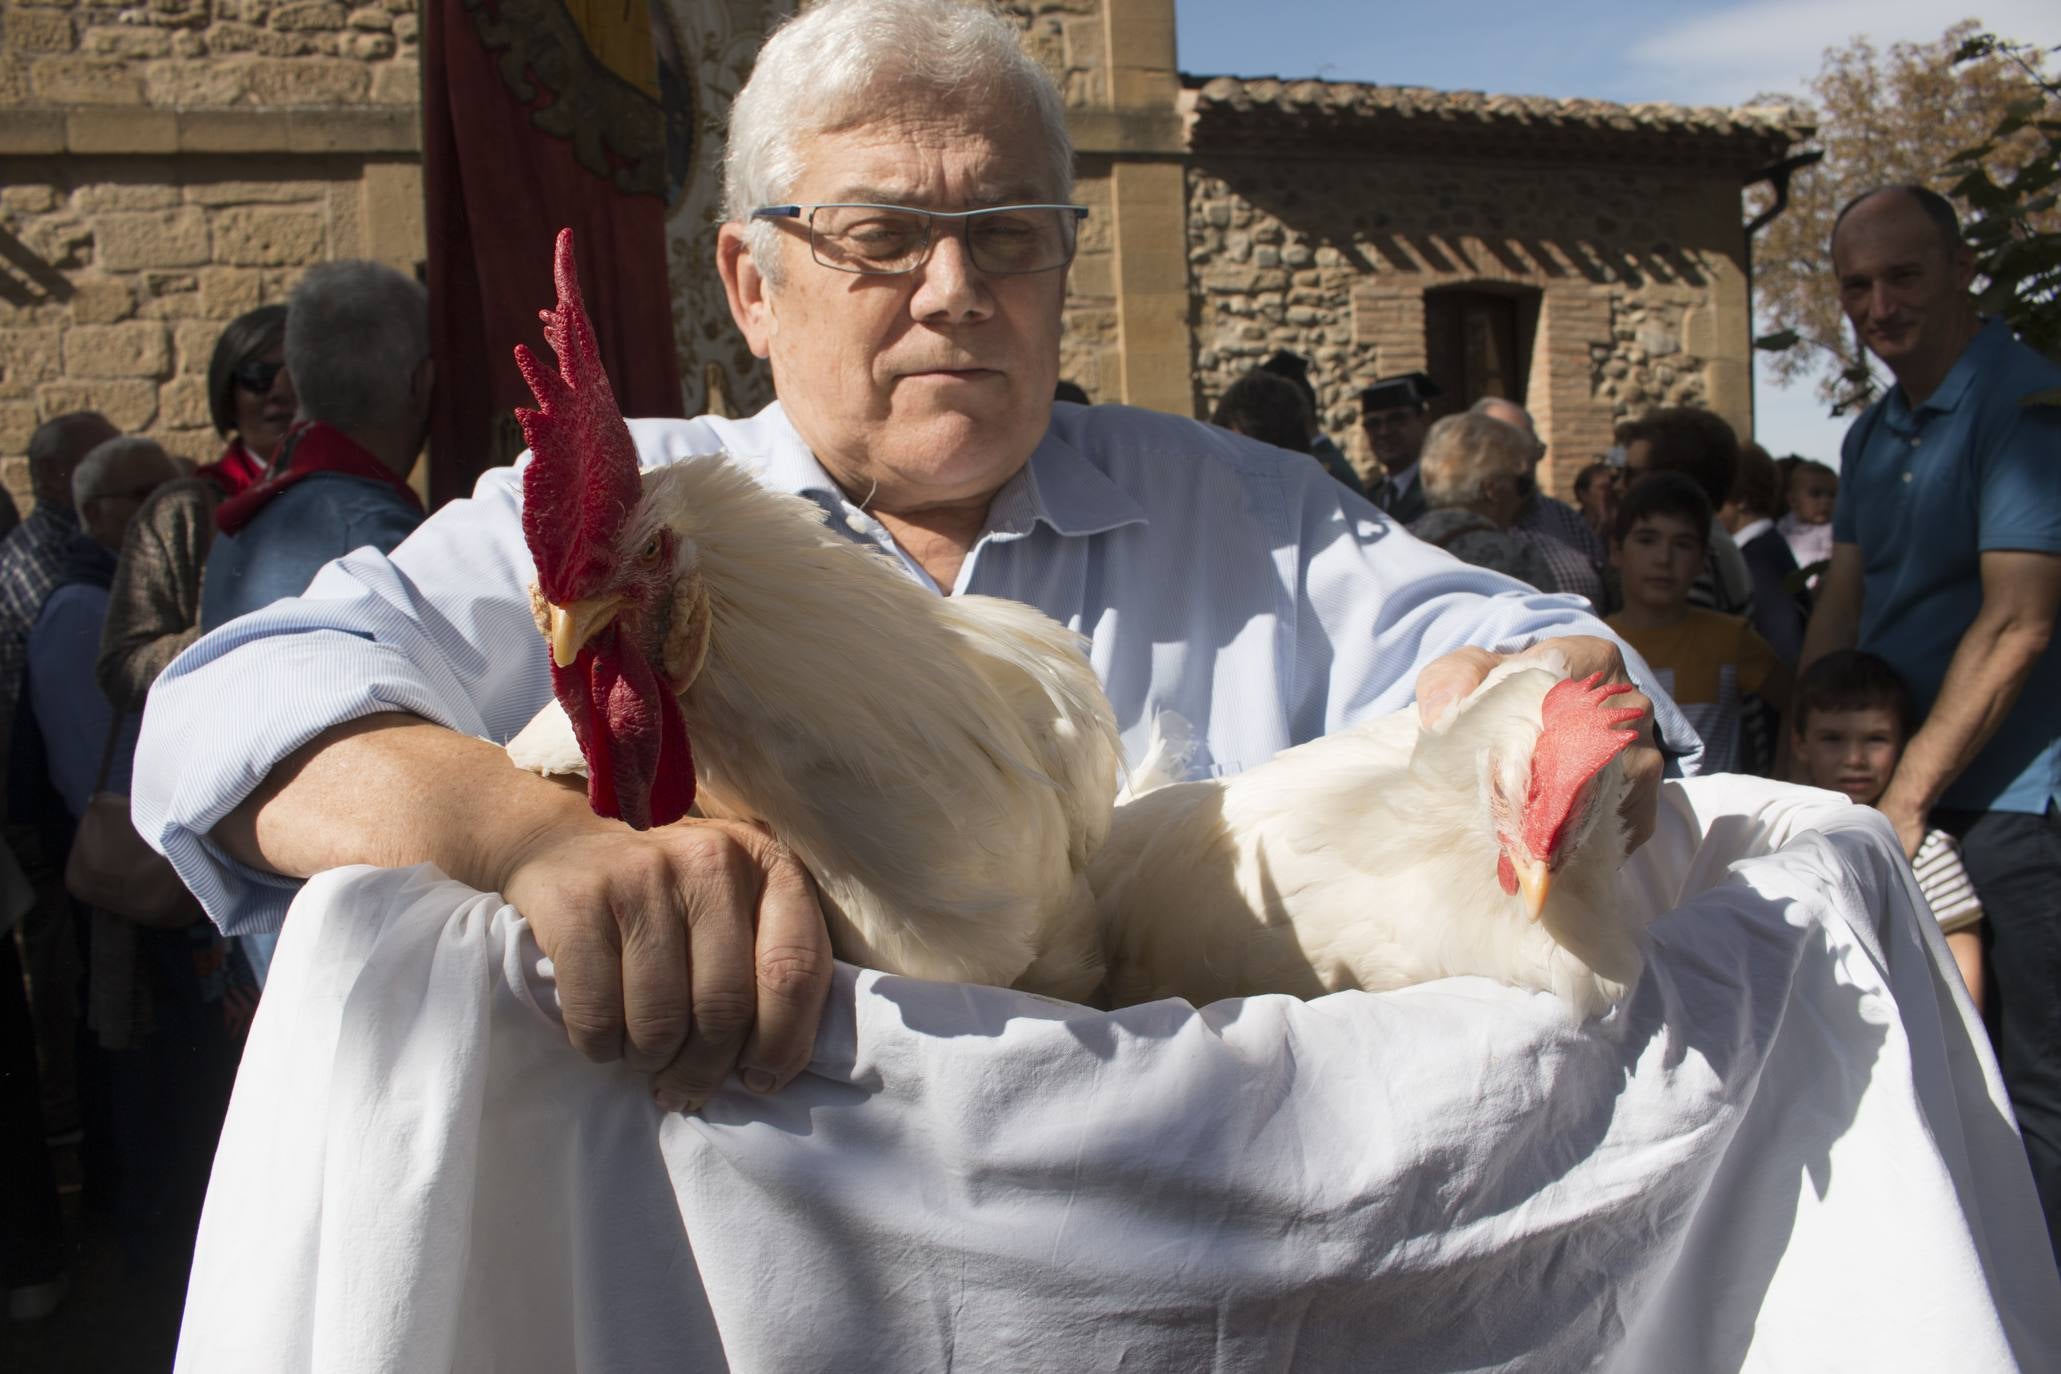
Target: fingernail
758	1080
670	1101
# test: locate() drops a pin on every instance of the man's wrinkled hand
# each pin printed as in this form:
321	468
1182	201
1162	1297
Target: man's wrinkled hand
1445	680
685	950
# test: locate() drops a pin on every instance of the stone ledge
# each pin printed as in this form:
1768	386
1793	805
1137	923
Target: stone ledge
106	131
1101	132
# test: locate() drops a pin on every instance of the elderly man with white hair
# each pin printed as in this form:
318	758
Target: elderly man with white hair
898	234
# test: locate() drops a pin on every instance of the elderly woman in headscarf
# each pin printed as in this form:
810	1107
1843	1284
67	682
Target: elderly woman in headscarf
1476	473
153	609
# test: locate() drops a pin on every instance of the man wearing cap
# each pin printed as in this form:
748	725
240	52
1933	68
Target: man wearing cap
1393	412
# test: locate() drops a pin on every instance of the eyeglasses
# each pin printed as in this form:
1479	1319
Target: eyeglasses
256	376
889	240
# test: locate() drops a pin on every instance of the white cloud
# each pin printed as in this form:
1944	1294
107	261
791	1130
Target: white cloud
1758	46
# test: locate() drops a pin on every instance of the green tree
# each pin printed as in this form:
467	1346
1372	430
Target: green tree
2014	229
1928	113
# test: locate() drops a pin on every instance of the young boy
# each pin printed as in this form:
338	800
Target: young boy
1852	718
1705	661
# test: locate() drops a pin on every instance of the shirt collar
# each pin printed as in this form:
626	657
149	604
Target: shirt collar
1752	529
1058	486
53	517
1981	351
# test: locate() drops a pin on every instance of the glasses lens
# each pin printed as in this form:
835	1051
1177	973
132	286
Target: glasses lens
866	238
1011	240
256	377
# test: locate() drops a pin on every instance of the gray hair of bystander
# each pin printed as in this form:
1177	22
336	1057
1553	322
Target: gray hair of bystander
116	460
1464	453
846	63
355	333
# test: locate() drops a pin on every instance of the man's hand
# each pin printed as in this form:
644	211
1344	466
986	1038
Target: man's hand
685	950
1446	680
1910	821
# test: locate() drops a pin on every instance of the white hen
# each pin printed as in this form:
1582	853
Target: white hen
1386	855
944	766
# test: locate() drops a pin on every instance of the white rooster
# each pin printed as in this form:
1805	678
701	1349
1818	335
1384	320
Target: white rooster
943	766
1384	855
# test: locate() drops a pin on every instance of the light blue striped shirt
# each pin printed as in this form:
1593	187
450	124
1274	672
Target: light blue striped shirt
1213	576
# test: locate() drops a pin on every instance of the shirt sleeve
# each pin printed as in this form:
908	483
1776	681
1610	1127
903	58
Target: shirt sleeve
1944	880
441	628
2020	484
1755	659
1383	604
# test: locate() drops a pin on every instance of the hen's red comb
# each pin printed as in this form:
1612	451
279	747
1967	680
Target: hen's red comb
582	476
1578	735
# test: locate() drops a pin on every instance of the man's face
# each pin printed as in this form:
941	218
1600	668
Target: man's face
1854	752
1905	293
107	513
931	388
1396	435
1659	558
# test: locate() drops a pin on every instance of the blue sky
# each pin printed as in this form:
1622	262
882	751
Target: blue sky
1693	52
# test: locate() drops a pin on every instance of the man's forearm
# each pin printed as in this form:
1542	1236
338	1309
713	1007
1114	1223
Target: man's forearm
393	790
1835	622
1988	671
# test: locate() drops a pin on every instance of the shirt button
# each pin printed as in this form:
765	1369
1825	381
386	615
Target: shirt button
1907	477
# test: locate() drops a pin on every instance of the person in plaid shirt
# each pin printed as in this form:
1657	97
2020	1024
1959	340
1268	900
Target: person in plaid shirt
33	554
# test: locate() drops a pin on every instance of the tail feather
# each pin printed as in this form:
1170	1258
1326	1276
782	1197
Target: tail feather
1170	753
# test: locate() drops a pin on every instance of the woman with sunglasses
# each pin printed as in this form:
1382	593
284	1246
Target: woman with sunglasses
154	607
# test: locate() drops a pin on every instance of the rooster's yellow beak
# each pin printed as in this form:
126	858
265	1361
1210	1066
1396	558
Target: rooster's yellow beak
572	626
1534	881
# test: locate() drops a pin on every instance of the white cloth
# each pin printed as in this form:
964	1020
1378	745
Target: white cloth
1788	1150
1213	576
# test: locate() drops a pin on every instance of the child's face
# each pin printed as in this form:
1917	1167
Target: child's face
1851	751
1659	558
1811	495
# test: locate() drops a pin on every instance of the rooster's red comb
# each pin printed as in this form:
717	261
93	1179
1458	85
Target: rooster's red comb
1579	734
582	478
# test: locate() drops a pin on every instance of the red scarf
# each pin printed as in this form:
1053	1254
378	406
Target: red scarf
309	447
237	470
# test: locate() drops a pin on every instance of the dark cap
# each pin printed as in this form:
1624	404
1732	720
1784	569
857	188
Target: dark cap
1293	366
1393	393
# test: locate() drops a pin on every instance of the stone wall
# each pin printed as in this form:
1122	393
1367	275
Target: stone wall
208	54
138	263
165	167
1635	271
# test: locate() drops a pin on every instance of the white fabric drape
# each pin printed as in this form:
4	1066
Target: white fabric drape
1789	1150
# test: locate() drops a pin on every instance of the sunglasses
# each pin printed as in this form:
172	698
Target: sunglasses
256	376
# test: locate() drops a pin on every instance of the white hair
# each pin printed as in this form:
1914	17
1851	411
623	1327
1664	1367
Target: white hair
98	468
835	66
1464	453
355	333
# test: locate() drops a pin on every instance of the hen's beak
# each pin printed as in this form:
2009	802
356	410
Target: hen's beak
572	626
1534	880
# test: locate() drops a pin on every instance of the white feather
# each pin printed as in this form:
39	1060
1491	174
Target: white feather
1365	859
944	766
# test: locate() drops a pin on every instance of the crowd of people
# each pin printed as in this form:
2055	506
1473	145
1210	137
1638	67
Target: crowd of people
1888	638
123	1031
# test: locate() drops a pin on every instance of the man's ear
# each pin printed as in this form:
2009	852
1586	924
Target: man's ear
746	289
423	384
1964	267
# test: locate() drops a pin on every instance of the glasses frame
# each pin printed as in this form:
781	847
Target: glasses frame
806	215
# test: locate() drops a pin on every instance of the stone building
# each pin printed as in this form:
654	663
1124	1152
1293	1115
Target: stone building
167	165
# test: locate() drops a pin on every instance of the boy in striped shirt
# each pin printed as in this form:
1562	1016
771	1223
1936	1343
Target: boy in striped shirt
1851	717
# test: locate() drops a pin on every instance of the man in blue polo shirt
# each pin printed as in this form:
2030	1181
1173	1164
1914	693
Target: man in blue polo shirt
1947	563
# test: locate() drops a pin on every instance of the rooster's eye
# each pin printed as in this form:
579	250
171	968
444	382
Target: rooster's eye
650	554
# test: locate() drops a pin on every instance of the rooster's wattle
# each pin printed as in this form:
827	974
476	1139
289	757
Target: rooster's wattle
944	766
1488	843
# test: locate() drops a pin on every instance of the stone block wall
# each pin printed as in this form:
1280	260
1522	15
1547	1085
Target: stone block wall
1637	274
124	270
165	167
208	54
